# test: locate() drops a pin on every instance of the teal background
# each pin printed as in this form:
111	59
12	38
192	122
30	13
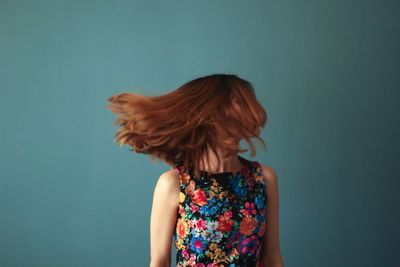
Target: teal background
327	73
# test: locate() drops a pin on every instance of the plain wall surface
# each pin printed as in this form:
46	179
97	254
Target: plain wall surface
327	73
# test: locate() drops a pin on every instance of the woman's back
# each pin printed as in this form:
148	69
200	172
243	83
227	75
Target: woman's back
221	217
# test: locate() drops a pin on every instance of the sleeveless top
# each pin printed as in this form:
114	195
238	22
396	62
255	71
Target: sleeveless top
221	217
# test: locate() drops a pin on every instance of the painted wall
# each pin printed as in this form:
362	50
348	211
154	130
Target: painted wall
327	73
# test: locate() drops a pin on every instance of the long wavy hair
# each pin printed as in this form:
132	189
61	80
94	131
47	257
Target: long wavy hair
209	112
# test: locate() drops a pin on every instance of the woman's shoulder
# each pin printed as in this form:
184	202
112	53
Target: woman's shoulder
169	177
168	184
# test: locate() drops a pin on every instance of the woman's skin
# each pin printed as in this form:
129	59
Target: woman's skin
164	215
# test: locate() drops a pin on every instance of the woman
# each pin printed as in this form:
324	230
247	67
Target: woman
218	208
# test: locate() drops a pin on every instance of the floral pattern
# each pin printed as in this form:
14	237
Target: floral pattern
221	218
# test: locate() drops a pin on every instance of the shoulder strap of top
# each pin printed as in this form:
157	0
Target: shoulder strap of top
250	164
256	166
184	177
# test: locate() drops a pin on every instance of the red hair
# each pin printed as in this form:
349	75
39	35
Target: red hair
209	112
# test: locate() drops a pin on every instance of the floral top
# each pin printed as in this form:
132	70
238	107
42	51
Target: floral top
221	218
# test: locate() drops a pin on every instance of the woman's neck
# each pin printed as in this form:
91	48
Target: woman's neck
231	163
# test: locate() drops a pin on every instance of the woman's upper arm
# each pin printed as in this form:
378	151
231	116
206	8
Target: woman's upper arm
163	218
271	247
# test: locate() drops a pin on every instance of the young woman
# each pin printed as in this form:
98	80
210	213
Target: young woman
217	207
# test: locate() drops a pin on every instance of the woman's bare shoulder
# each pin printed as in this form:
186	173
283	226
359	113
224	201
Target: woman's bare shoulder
167	185
169	178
